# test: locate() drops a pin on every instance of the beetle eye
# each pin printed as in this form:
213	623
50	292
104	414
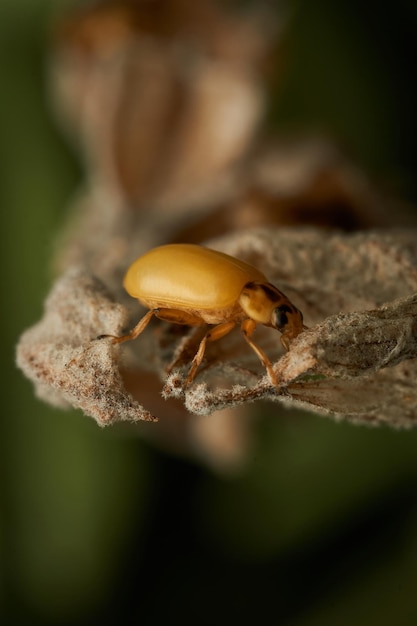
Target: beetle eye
280	316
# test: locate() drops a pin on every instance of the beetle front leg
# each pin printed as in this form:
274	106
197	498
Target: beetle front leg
247	327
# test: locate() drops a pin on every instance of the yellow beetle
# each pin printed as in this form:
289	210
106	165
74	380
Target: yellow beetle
191	285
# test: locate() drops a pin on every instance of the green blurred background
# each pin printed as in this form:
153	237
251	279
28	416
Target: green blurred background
99	527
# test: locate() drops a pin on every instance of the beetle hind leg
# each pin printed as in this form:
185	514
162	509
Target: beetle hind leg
136	330
167	315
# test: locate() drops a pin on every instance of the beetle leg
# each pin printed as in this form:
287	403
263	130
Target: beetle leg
179	317
247	327
136	331
185	352
168	315
212	335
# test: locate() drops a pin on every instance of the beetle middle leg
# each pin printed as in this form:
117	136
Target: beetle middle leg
212	335
247	327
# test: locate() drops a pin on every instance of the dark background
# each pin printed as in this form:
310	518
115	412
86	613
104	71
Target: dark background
97	526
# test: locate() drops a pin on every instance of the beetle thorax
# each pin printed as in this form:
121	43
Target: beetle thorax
258	300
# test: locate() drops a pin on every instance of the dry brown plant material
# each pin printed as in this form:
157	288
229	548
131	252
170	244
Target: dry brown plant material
159	94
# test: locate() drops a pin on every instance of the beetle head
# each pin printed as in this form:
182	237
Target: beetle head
289	320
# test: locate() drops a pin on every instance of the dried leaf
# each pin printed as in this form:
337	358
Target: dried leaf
359	297
60	357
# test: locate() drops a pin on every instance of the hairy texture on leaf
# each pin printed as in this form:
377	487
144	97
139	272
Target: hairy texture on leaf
59	355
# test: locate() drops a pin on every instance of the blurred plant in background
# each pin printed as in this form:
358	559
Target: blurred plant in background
319	526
